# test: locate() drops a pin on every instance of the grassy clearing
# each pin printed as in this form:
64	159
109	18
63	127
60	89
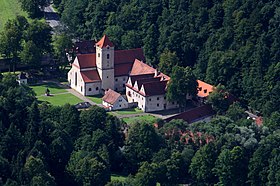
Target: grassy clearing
9	9
96	99
129	111
60	99
145	118
53	87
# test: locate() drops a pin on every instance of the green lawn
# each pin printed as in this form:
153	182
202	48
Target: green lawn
96	99
129	111
9	9
145	118
59	96
61	99
54	89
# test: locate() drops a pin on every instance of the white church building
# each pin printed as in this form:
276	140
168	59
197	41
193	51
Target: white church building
120	70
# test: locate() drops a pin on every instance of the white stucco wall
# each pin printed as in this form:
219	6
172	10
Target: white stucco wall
22	81
151	103
120	82
80	86
121	103
93	88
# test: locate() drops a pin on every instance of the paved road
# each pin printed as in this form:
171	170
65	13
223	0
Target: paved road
51	16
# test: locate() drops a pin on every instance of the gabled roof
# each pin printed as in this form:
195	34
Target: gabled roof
122	69
90	76
194	115
128	56
111	96
204	89
104	42
139	68
140	82
154	88
138	77
86	60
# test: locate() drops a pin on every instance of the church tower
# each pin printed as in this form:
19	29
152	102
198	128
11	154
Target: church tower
105	62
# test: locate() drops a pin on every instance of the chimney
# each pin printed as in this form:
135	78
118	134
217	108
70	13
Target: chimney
156	73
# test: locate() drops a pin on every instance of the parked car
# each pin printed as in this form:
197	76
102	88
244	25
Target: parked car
83	105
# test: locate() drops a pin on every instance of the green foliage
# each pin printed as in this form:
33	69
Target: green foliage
34	8
218	99
140	145
167	61
88	169
182	84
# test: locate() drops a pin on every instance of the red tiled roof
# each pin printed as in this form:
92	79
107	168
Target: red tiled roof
204	89
194	115
140	82
141	68
154	88
128	56
138	77
87	60
104	42
90	76
111	96
122	69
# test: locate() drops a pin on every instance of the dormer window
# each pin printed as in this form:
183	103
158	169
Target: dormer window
200	88
108	56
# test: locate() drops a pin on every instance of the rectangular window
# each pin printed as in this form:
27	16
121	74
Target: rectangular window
116	79
157	98
158	105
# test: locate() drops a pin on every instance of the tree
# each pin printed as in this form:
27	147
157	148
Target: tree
30	54
146	175
61	44
167	61
231	167
202	165
236	112
40	34
36	174
140	145
218	99
182	84
88	169
10	42
33	7
92	119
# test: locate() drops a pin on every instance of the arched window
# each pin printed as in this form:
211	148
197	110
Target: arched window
108	56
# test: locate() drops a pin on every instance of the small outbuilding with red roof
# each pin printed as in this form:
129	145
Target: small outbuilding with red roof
113	100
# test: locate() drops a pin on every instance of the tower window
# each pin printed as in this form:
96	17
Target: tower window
108	56
98	54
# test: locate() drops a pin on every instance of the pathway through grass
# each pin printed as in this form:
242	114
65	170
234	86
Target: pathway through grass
59	96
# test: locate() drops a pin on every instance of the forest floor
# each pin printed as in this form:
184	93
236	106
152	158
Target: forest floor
9	9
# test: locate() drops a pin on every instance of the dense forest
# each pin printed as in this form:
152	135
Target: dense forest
234	43
230	42
49	145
